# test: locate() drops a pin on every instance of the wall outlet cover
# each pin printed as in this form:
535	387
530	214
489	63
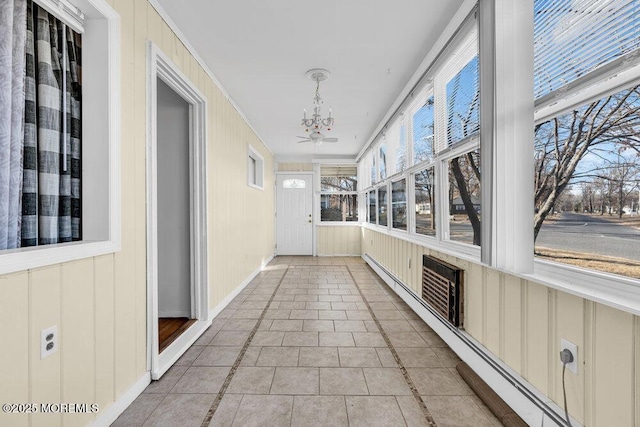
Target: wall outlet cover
48	341
573	366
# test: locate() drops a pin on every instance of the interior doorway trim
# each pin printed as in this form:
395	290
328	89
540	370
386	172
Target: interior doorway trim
161	67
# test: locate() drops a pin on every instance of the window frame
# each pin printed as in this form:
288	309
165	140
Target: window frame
101	179
333	193
255	168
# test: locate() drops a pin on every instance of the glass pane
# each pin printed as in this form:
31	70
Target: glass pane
373	217
383	161
294	183
339	183
423	132
399	204
401	151
338	207
464	198
573	38
373	169
463	102
587	186
425	202
382	205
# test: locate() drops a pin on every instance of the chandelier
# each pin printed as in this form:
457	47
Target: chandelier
316	122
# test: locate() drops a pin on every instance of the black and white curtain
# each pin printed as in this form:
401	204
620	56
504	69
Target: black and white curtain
40	128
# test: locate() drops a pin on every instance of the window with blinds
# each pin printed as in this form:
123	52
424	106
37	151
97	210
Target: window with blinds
421	129
575	38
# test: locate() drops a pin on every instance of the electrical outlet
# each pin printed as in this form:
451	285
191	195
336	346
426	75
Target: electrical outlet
48	341
573	366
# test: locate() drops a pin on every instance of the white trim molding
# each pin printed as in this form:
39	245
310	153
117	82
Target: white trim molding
106	418
161	67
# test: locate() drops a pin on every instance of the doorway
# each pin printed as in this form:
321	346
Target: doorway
294	209
176	214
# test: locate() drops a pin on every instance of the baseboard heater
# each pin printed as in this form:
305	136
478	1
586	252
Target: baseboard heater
442	289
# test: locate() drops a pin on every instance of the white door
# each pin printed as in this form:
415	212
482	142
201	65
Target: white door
294	221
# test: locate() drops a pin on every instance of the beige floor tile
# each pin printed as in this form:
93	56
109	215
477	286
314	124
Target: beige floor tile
282	325
251	356
319	357
386	382
355	357
304	314
446	356
138	412
396	326
311	411
344	306
358	315
388	315
330	298
350	326
332	315
318	325
226	411
278	356
435	382
267	338
277	314
168	380
217	356
420	326
432	339
456	411
247	314
251	380
336	339
412	412
376	411
318	306
230	338
292	305
342	381
185	410
295	381
369	339
413	357
386	358
190	355
301	339
272	411
406	339
201	379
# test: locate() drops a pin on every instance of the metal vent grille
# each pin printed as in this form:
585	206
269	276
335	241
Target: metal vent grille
442	288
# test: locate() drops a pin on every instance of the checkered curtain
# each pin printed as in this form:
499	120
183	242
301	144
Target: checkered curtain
51	203
12	63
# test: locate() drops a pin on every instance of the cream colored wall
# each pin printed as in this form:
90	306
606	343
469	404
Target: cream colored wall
99	304
522	322
295	167
338	240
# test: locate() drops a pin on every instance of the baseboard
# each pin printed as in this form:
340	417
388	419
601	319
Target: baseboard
225	302
106	418
529	403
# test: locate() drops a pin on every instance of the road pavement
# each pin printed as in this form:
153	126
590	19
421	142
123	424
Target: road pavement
590	234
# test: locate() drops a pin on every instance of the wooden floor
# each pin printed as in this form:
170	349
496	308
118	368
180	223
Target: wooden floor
170	328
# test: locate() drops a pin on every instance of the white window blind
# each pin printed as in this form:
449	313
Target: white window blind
574	38
421	127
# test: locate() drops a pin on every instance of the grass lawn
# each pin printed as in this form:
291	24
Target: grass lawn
621	266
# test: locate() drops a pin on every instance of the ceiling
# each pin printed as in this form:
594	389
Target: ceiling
259	50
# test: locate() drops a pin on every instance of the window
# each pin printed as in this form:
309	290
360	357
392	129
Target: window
68	147
294	183
587	178
255	169
338	193
464	194
422	130
424	196
399	204
433	146
382	205
373	210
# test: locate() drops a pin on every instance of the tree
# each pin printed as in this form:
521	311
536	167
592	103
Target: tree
563	142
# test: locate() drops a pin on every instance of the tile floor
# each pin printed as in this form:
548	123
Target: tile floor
310	342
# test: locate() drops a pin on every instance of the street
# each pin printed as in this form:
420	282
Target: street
590	234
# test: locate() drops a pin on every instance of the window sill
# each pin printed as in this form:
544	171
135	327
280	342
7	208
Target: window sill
257	187
615	291
15	260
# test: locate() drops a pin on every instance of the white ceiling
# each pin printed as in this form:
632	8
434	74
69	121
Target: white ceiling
259	50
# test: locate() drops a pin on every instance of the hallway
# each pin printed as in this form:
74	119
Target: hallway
313	341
